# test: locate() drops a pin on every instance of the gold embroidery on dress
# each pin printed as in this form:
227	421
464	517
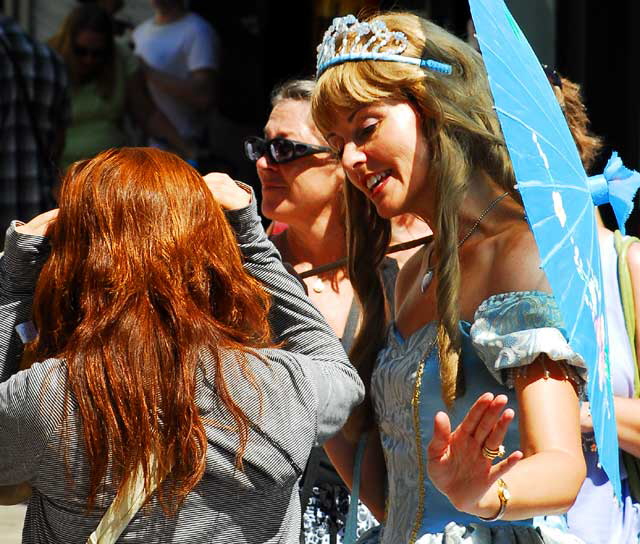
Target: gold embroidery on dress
415	406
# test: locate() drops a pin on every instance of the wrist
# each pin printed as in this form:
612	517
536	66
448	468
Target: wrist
497	500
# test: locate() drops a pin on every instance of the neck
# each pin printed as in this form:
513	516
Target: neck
405	228
479	202
169	14
316	242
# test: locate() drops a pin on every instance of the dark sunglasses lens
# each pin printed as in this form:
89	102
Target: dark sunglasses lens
254	148
282	150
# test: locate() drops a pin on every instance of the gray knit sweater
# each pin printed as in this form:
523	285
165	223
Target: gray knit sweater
308	390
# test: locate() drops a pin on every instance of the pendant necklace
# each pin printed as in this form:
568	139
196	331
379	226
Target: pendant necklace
428	275
318	285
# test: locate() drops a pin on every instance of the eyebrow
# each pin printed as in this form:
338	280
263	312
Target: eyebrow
354	112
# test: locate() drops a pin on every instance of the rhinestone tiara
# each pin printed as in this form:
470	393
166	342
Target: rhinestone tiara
358	40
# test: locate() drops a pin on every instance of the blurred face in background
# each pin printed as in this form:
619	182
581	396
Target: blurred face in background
90	49
112	6
166	4
301	188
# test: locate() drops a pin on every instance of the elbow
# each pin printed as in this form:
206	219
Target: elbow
574	481
341	396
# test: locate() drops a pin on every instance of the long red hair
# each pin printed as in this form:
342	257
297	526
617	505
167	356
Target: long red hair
144	277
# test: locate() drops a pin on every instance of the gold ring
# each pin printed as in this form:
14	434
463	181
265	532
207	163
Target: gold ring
492	454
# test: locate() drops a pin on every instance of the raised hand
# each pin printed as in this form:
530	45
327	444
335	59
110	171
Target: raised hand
39	224
227	192
455	462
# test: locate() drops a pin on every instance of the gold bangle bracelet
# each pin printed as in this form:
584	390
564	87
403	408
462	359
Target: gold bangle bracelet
504	495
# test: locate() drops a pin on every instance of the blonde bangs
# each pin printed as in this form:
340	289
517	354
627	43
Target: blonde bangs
464	138
354	84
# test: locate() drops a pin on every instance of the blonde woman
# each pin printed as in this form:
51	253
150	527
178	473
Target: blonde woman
475	363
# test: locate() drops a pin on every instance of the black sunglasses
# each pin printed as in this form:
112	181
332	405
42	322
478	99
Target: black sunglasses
280	150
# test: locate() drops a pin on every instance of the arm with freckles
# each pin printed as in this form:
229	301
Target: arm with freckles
627	409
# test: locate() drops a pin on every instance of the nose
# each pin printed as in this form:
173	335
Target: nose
352	157
263	163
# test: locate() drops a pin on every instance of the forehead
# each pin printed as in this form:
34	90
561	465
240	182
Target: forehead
292	119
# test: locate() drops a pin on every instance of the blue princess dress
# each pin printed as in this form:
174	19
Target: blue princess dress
508	332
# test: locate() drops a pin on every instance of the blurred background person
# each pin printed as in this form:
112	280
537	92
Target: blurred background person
121	28
34	115
179	52
106	85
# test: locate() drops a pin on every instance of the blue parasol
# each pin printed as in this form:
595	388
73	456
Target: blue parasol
558	202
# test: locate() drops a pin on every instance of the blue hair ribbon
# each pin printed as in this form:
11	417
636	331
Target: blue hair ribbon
616	185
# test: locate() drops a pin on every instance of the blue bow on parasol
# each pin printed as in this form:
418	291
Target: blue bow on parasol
558	199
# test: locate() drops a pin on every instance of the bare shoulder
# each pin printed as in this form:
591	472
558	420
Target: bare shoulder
516	261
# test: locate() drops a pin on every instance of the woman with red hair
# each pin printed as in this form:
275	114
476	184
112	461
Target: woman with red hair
160	353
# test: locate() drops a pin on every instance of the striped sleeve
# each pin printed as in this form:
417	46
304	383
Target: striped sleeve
300	326
20	265
23	430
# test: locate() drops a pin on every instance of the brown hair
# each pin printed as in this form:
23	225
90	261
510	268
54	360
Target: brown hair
145	289
464	138
95	18
569	96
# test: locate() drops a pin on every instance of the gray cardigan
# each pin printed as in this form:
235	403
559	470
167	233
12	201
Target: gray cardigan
308	390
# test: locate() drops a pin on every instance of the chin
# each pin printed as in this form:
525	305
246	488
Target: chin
388	212
276	211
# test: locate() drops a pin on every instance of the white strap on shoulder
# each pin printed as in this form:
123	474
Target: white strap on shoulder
132	497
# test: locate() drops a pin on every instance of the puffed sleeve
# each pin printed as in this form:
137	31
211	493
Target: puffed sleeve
511	330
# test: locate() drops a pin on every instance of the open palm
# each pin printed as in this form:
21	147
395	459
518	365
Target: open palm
455	462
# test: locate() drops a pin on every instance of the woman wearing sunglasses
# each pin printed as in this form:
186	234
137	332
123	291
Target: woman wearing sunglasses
302	183
107	86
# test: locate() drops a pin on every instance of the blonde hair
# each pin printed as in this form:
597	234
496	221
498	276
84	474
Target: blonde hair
464	138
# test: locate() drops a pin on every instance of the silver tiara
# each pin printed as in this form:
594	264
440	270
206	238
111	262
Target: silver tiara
356	40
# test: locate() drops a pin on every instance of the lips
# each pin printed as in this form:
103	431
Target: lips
374	181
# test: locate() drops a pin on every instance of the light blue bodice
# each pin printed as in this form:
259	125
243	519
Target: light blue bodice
508	331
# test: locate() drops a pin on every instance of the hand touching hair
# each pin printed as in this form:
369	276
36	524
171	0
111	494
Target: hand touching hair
144	289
